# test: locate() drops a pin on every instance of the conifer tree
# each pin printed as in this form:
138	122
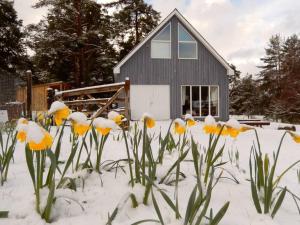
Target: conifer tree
12	52
133	20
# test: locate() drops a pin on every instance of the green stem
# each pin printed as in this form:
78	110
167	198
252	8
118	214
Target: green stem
144	154
128	155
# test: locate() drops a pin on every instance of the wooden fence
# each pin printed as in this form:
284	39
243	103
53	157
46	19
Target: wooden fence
99	100
39	95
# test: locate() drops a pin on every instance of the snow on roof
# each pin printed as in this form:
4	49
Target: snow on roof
190	28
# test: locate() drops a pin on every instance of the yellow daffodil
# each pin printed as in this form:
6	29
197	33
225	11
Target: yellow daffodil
150	122
295	136
38	138
245	128
22	129
59	111
210	125
233	128
80	123
112	115
179	126
190	121
224	131
104	126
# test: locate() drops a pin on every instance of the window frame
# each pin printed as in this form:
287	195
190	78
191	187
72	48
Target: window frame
162	41
178	42
209	100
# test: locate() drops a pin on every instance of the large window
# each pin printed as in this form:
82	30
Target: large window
187	46
200	100
161	44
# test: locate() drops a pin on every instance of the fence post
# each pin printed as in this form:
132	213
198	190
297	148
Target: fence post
29	94
50	97
127	100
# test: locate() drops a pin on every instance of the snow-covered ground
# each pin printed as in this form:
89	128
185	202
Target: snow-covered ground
100	194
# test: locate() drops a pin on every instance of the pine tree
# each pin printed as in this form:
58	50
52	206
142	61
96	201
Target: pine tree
73	42
12	52
270	77
289	98
234	81
133	21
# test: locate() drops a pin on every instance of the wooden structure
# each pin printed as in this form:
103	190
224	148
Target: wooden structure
255	122
39	95
99	100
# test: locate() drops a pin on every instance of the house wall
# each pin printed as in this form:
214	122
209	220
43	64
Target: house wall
206	70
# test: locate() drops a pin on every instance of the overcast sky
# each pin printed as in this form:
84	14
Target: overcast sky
238	29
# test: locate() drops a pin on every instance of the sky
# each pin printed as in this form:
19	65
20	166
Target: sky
238	29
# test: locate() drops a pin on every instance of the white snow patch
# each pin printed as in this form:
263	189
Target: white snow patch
104	123
210	120
233	123
112	114
35	133
179	121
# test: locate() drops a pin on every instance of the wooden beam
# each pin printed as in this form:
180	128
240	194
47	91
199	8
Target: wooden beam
87	101
29	94
111	100
91	90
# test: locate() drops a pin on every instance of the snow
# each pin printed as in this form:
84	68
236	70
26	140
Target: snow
105	123
233	123
99	194
112	115
78	117
210	120
179	122
55	106
35	133
188	117
147	115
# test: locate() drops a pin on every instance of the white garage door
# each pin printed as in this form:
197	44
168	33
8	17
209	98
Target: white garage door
153	99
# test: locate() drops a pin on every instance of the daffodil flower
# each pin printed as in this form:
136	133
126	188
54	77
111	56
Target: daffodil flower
179	126
190	121
113	115
22	129
210	125
295	136
38	138
80	123
150	122
233	128
59	111
104	126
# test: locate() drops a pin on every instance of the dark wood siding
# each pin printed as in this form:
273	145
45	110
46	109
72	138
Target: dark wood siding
206	70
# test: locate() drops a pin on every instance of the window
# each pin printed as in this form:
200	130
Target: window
161	44
187	46
200	100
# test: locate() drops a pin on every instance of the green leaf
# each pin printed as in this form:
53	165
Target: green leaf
4	214
279	202
255	197
157	209
29	161
145	221
190	206
220	214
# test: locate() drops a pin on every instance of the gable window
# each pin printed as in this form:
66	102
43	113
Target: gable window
187	45
200	101
161	44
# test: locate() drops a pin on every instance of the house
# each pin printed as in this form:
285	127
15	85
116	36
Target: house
175	71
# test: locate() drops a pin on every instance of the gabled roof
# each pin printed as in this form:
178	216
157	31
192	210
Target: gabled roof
190	28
